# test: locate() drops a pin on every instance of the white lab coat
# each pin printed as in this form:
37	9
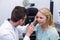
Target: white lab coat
9	32
21	30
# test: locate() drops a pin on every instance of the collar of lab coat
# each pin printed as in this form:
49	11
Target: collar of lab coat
9	25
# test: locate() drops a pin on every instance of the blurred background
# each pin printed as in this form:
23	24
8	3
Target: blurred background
6	7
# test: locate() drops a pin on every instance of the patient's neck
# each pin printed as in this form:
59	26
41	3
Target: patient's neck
44	27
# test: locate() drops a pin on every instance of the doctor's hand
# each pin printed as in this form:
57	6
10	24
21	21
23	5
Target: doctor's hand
35	21
29	30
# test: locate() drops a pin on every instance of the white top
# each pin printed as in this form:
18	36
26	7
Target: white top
9	32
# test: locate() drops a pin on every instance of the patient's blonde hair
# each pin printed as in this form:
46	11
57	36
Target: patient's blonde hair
47	13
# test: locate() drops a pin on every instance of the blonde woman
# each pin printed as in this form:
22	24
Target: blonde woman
45	27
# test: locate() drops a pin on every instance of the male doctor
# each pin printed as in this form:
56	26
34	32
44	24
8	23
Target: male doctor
8	29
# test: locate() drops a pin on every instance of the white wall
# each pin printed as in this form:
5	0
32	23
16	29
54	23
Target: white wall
6	6
41	3
56	14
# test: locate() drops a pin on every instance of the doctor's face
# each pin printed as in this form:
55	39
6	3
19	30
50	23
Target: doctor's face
40	18
22	21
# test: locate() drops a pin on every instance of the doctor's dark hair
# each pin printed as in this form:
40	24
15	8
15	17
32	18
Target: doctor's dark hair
18	13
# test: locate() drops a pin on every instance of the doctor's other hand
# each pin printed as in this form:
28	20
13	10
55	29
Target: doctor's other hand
29	30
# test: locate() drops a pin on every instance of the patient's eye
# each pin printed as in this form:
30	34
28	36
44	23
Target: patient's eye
41	17
36	16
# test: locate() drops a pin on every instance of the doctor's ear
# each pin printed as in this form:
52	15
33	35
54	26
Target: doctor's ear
21	20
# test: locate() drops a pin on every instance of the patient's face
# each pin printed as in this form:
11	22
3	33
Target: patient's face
40	18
